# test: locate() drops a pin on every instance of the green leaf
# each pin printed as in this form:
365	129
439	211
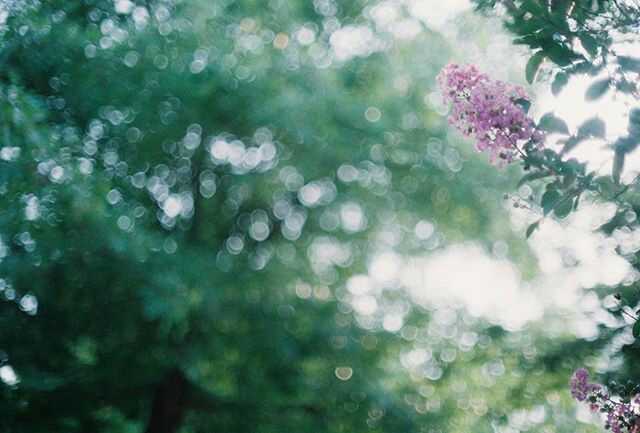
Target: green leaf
530	40
559	54
584	67
561	79
550	123
532	228
524	103
617	221
636	329
634	124
593	127
564	207
569	178
625	144
533	176
597	89
626	86
550	154
618	165
606	187
533	7
533	65
589	43
559	9
629	63
575	166
549	200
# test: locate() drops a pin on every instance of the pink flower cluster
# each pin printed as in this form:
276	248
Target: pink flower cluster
620	415
580	386
487	110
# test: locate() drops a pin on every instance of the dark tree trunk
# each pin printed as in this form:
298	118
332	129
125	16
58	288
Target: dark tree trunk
169	403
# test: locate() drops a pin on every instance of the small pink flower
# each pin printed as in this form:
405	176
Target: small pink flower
580	386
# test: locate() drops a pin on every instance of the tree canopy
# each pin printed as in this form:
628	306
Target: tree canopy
193	195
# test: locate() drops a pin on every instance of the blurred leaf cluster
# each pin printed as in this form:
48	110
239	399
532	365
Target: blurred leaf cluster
186	190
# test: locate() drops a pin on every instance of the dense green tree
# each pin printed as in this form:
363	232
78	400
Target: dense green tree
187	189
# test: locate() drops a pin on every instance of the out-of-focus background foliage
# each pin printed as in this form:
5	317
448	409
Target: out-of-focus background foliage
250	216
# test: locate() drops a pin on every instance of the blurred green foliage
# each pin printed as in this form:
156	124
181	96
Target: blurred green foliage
186	188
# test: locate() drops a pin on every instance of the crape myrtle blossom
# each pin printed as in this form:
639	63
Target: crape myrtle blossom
580	386
490	111
621	415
